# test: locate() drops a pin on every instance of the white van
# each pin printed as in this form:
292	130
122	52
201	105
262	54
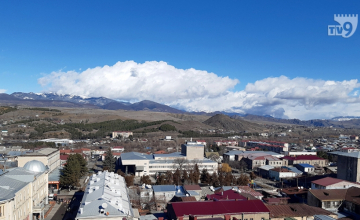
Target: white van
51	197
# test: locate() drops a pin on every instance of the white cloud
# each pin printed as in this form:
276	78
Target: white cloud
157	81
198	90
2	90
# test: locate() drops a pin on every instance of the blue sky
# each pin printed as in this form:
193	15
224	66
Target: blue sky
42	42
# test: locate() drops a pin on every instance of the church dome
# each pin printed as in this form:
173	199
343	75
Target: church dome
35	166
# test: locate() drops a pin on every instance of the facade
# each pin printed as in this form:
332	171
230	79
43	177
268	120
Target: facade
48	156
297	153
124	134
328	199
348	166
274	146
237	155
24	192
256	160
301	159
332	183
105	197
304	167
224	209
226	143
297	211
281	173
143	164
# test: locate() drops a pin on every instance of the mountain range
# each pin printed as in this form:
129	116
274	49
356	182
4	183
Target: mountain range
73	101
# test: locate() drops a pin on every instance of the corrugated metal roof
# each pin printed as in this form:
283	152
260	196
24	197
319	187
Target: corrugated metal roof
164	188
295	210
329	194
327	181
266	167
228	194
9	186
305	165
211	207
136	156
105	188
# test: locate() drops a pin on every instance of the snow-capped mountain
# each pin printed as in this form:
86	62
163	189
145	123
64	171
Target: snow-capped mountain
99	101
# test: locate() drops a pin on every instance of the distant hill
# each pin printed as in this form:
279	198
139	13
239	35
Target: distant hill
145	105
6	99
225	122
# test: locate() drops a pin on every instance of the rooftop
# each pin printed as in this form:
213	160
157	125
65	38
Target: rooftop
225	195
327	181
203	208
295	210
303	157
305	165
329	194
105	192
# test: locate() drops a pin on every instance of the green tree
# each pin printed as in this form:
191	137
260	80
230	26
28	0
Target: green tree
167	127
71	173
82	163
109	161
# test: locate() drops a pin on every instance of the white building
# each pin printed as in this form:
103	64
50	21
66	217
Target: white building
24	191
105	197
143	164
123	134
281	173
332	183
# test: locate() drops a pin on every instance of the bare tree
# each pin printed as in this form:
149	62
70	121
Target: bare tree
180	163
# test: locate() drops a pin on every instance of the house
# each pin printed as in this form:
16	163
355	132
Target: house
301	159
277	201
194	190
347	166
332	183
118	149
226	195
279	173
165	193
237	155
328	199
296	211
123	134
264	171
203	142
352	202
243	190
274	146
226	143
304	167
63	159
256	160
224	209
296	194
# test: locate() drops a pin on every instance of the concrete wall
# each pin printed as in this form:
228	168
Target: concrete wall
348	168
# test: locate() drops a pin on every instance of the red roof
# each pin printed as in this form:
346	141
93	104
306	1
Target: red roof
118	147
228	194
65	151
192	187
218	207
327	181
160	152
64	157
303	157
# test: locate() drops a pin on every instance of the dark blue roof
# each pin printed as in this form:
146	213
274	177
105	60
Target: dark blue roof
305	165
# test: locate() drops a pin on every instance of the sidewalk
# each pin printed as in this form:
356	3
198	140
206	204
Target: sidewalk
53	211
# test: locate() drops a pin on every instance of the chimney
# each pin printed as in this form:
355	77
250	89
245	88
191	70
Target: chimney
227	217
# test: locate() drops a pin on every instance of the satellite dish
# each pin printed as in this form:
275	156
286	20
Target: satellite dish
104	205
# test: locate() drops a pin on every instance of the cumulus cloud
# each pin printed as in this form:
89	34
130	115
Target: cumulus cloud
199	90
2	90
129	80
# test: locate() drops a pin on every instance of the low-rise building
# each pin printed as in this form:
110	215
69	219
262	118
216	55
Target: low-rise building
105	197
304	167
279	173
24	191
332	183
224	209
141	164
328	199
123	134
296	211
301	159
48	156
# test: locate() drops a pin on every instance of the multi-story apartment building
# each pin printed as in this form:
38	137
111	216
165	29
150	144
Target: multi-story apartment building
24	192
48	156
